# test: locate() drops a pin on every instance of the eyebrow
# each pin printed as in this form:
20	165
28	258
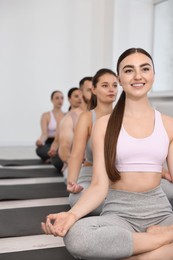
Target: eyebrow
106	82
132	66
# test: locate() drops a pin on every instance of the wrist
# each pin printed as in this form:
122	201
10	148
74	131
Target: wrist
74	215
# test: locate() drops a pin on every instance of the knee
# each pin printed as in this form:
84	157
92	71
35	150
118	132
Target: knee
57	162
42	153
75	241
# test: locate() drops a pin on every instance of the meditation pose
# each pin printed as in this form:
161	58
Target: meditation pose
129	150
80	164
49	122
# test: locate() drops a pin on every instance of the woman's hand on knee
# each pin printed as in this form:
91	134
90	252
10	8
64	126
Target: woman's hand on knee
73	187
58	224
39	143
51	152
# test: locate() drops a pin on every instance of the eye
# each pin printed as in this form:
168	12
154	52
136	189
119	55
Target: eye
145	69
128	70
104	85
115	85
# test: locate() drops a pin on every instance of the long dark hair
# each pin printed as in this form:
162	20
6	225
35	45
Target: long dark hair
115	123
95	80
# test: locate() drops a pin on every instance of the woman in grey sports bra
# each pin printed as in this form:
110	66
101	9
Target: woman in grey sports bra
81	160
137	219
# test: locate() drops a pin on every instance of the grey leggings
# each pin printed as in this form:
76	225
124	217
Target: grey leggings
84	180
109	236
167	187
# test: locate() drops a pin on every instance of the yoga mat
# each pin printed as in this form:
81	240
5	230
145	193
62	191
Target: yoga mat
58	253
26	221
20	162
28	173
33	191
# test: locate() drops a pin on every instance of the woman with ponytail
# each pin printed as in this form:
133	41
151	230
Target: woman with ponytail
129	149
80	164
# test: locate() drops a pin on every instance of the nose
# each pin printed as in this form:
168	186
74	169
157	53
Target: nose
112	88
137	74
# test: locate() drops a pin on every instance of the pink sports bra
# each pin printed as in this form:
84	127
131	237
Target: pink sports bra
52	125
143	154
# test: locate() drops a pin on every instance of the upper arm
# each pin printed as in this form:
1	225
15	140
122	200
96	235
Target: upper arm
170	159
44	123
81	135
99	170
66	131
168	122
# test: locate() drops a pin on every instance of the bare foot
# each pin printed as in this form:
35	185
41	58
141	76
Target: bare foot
164	232
159	229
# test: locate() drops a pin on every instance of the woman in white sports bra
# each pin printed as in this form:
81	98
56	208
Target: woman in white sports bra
129	149
49	122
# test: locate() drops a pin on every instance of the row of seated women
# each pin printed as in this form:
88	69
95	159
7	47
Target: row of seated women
65	139
129	146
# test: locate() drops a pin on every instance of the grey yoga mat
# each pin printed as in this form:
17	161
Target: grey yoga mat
20	162
58	253
28	173
33	191
26	221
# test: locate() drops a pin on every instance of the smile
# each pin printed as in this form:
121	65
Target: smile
137	85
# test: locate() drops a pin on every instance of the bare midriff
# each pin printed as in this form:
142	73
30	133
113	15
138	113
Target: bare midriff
137	181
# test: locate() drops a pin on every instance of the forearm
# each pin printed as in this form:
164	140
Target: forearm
91	198
54	145
74	166
43	137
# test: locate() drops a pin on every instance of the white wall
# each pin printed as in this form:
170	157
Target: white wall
133	25
51	44
46	45
163	52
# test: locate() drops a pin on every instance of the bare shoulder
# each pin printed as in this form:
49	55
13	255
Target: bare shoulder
66	121
103	120
168	123
60	116
85	116
167	119
45	115
101	124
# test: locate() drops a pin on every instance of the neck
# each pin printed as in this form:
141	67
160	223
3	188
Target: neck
56	110
103	109
83	106
137	107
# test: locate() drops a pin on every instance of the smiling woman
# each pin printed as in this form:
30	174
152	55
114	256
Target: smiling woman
129	225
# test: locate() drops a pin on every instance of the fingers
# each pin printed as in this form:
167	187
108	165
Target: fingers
45	227
49	229
74	188
55	224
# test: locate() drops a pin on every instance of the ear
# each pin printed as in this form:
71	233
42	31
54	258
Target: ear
93	90
119	81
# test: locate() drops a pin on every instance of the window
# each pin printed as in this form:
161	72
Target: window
162	46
